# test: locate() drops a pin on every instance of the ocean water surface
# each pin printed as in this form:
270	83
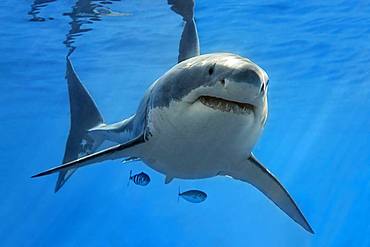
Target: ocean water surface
316	141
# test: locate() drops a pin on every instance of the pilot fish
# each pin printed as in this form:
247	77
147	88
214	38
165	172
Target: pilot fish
194	196
141	179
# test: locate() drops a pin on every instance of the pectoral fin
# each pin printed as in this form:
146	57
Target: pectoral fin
253	172
111	153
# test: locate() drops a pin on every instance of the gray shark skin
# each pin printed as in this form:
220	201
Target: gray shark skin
209	109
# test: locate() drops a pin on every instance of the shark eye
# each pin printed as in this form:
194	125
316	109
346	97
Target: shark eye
211	69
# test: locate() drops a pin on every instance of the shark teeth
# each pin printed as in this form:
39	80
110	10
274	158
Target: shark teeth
226	105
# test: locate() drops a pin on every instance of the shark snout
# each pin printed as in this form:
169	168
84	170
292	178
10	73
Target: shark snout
248	76
246	83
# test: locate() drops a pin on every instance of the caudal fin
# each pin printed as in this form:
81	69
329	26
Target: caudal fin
84	116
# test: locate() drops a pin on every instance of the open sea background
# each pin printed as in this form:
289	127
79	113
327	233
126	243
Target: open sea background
316	141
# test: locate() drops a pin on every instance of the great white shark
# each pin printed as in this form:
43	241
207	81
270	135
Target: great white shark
200	119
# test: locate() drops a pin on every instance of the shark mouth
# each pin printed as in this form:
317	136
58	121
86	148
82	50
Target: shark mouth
226	105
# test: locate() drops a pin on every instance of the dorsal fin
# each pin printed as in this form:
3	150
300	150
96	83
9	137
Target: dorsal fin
189	43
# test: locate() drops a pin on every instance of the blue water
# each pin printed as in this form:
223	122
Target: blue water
317	137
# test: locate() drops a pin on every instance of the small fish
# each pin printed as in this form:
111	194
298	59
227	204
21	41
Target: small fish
194	196
141	179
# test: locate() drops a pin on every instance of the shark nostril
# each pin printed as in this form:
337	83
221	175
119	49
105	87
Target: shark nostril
263	88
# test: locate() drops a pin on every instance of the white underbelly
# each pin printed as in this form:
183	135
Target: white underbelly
195	141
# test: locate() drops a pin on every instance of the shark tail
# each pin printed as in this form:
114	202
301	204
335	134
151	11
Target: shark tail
84	116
